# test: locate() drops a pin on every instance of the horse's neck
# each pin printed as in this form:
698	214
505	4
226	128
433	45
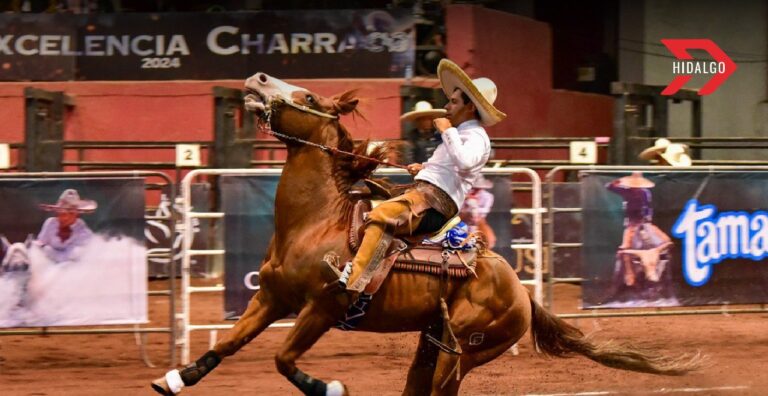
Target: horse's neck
306	193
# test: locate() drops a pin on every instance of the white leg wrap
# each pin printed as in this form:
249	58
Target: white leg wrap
174	381
334	388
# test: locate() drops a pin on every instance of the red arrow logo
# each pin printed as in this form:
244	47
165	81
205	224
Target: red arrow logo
679	48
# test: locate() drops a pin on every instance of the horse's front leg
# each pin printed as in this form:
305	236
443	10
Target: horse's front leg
313	321
261	312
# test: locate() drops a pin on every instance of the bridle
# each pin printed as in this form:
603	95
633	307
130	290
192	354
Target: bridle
266	128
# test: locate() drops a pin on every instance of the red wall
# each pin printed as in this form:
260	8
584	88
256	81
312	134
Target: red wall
516	53
181	110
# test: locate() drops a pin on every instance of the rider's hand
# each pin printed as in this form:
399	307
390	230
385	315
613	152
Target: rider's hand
413	169
441	124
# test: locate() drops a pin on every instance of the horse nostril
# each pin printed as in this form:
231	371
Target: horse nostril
262	78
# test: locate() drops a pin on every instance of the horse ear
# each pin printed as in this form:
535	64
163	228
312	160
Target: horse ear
347	107
30	239
345	103
6	243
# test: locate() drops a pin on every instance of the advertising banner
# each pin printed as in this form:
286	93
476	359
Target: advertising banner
206	46
249	222
73	252
674	239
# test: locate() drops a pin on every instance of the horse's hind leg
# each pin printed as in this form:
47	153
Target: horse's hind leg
261	312
310	325
423	367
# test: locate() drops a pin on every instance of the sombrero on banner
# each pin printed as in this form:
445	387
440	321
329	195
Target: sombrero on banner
422	109
481	91
70	200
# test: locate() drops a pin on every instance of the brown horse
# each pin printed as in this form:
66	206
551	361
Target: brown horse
488	313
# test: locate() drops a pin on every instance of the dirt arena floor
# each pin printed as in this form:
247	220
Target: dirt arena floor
374	364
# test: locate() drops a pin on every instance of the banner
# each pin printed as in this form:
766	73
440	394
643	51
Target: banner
205	46
73	252
159	235
249	222
248	202
674	239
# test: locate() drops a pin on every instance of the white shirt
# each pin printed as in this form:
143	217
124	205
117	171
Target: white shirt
62	250
457	161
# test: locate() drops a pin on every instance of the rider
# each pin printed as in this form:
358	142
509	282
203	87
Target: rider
442	182
63	233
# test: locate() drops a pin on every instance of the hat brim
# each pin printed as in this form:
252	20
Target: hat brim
85	206
681	160
636	182
451	77
651	152
432	114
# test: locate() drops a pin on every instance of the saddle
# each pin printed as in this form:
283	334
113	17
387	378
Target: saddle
409	255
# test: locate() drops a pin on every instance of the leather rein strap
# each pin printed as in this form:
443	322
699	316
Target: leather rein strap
267	129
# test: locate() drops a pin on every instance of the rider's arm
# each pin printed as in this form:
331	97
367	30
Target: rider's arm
469	153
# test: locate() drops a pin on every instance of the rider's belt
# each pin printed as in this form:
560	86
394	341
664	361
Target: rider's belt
437	198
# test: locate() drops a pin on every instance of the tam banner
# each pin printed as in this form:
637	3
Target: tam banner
674	239
73	252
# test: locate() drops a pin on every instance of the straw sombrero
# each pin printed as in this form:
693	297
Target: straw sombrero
481	91
70	200
422	109
636	180
675	154
658	146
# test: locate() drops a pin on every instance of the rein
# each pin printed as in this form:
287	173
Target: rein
267	129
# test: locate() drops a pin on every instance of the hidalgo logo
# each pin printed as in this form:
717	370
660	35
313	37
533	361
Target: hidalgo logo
720	67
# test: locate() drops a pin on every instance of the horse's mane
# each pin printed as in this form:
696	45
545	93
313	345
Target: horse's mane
348	170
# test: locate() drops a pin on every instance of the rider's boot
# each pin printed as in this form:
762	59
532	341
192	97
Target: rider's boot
369	256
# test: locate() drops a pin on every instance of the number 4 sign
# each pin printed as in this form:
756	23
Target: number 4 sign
5	156
583	152
187	155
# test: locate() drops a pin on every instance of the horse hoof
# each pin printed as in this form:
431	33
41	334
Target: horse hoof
160	386
336	388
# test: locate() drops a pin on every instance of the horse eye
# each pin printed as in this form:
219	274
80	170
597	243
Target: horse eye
310	99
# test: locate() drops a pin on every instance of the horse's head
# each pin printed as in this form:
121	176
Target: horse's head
292	110
16	254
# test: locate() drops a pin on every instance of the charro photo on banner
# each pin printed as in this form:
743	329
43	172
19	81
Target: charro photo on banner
674	239
73	252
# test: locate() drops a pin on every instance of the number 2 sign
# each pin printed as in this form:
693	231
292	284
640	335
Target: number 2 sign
187	155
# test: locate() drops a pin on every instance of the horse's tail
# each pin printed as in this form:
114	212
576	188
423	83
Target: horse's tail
555	337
